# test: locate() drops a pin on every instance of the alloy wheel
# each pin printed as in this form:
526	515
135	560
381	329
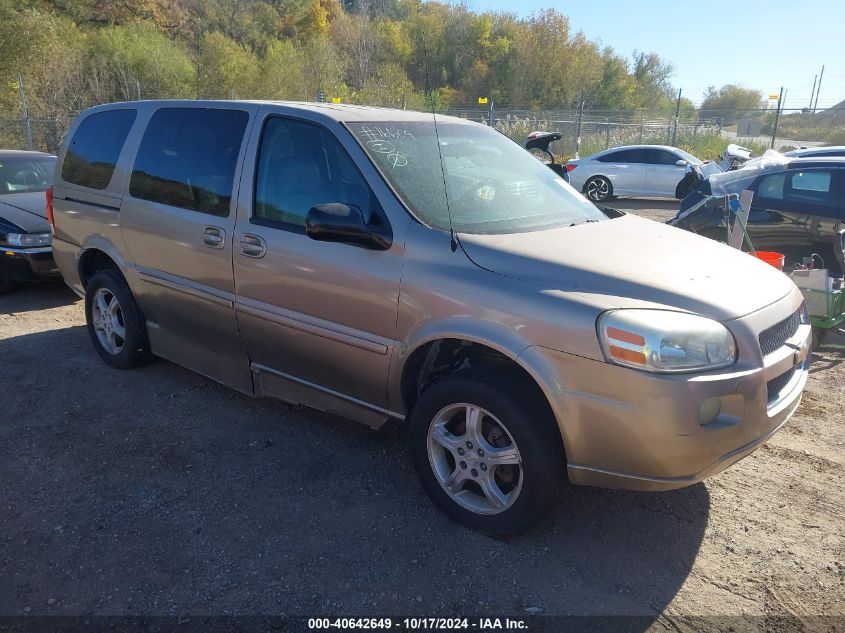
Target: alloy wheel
107	318
598	189
475	458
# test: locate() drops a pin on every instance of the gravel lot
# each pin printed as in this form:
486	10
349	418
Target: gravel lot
156	491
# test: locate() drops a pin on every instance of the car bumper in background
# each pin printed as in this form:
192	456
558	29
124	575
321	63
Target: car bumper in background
28	264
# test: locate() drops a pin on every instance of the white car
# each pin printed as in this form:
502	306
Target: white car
633	170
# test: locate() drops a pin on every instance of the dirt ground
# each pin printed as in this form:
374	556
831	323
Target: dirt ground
156	491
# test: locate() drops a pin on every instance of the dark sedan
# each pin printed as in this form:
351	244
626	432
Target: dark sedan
798	208
25	242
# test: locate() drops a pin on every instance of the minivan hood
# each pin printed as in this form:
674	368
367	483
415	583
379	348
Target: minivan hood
629	260
26	210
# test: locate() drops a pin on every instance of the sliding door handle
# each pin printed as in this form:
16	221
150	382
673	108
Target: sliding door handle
213	236
252	245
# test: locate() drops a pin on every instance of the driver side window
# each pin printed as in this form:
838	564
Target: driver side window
301	165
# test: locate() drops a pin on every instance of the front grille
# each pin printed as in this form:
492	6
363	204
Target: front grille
776	385
774	337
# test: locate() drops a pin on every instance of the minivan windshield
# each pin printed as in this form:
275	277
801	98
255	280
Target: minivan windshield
25	173
493	184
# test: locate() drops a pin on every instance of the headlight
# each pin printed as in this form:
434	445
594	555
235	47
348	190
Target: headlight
664	341
28	240
805	314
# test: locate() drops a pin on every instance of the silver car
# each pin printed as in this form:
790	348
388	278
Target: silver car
650	171
374	265
817	152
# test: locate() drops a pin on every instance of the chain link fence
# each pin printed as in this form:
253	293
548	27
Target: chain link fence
43	135
583	131
703	132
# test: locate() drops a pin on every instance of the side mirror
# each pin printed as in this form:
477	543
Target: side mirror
337	222
680	163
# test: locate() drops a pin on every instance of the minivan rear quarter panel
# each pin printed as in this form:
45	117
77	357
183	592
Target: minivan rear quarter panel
86	217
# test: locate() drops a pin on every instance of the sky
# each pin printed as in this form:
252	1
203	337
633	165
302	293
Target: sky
761	44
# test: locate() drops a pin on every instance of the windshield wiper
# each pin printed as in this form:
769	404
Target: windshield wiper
584	221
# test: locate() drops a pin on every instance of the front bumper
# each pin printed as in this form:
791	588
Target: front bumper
28	264
625	428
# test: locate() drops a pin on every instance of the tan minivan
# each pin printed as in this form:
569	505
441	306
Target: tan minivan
382	264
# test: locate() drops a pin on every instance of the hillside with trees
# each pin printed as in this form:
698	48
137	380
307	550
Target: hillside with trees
76	53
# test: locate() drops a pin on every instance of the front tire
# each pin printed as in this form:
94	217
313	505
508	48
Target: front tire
487	450
5	283
115	323
598	189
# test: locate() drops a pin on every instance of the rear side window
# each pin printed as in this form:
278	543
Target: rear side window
95	146
624	156
799	187
613	157
187	158
810	187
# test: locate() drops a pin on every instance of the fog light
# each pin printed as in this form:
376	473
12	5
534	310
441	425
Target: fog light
709	411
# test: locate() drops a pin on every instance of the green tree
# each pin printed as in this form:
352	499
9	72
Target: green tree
282	73
46	50
388	86
571	69
652	75
617	88
254	24
324	71
226	69
738	102
139	53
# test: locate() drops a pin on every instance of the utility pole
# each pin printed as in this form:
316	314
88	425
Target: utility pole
26	122
677	112
138	89
578	129
777	117
813	92
818	90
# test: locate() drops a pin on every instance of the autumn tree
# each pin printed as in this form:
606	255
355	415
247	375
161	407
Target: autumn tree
414	53
356	35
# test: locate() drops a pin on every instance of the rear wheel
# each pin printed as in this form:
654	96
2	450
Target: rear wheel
115	323
487	450
598	189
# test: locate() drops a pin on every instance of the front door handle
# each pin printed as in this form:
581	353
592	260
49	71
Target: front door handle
213	236
252	245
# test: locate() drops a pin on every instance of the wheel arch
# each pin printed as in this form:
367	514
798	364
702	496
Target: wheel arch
434	356
98	254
